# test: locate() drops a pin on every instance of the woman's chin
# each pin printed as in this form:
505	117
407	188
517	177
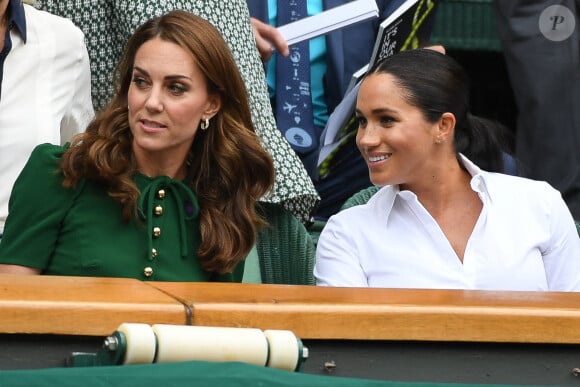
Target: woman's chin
379	181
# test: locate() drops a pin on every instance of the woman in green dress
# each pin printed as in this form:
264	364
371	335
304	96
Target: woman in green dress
164	183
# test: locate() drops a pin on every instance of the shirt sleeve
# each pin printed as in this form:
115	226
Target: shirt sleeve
337	262
37	206
80	111
562	257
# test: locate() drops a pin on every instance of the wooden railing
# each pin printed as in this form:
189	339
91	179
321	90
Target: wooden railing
81	305
97	306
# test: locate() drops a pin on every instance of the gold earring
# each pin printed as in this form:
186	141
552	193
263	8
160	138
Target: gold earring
204	124
438	140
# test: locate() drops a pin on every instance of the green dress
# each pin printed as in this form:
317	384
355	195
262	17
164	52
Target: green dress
107	24
80	232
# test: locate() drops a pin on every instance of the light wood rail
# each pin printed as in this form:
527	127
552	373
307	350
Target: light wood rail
386	314
81	305
97	306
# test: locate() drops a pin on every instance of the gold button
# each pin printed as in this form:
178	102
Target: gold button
154	253
161	194
148	271
156	232
158	210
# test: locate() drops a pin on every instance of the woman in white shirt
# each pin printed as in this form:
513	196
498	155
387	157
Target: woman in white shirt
439	221
45	89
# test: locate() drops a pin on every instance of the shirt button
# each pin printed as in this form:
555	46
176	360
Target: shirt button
158	210
148	271
156	232
154	253
161	194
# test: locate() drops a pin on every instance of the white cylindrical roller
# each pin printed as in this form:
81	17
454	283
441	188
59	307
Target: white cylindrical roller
284	349
140	343
182	343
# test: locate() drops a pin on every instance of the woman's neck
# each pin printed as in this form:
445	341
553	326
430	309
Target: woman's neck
3	8
177	172
153	164
3	21
442	186
151	167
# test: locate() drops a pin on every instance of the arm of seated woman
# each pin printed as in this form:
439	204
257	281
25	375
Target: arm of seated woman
17	269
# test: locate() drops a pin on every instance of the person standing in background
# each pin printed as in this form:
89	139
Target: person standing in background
541	45
108	25
45	89
332	60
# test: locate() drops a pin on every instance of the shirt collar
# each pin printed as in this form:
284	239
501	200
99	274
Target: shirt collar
478	184
478	176
16	17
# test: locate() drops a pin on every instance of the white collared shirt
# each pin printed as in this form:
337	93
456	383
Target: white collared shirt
524	239
46	93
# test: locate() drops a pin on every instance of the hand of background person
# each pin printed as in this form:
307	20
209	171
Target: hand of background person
267	39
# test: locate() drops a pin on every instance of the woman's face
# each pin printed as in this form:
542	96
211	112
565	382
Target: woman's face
394	138
167	99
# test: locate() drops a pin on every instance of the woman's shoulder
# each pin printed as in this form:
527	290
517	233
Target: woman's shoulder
34	15
40	177
516	191
47	153
48	24
503	182
43	163
371	205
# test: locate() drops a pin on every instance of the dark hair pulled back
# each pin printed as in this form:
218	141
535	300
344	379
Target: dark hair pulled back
436	83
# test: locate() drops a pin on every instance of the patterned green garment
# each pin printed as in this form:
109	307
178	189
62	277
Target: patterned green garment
107	25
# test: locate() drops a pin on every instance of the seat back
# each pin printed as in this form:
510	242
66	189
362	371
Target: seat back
361	197
285	248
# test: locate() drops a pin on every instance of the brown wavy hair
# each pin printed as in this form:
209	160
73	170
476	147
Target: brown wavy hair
228	169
